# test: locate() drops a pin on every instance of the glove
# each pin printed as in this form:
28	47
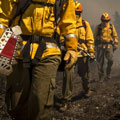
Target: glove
92	57
71	43
70	58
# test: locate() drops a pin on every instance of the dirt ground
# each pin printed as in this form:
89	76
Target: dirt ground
103	104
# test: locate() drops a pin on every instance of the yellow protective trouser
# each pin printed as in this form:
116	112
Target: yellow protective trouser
18	86
42	87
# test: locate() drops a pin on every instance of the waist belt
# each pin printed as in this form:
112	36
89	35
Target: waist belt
42	46
81	41
104	42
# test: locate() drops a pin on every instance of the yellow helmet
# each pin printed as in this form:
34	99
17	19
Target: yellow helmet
78	7
105	17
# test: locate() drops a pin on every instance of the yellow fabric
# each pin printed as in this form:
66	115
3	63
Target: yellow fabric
62	39
1	31
67	23
106	34
39	20
86	35
71	43
33	49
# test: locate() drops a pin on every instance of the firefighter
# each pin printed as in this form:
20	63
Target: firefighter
39	57
106	41
85	42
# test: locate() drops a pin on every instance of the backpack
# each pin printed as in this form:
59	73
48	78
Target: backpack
24	4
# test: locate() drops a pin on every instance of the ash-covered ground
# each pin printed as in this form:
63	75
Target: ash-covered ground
103	104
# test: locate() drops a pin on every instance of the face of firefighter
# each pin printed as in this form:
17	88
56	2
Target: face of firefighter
105	23
78	14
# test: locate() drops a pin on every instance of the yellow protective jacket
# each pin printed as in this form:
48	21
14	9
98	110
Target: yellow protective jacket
39	20
104	34
85	36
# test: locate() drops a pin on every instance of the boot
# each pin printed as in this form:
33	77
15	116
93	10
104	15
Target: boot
87	93
108	77
65	105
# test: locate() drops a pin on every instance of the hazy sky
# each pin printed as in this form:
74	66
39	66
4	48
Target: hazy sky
93	9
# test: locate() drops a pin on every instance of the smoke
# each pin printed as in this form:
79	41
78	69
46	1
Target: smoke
93	9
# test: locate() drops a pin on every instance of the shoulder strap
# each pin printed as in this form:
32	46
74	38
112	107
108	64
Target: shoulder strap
58	8
111	27
84	24
22	6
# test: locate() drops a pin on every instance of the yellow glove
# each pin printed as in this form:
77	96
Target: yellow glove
92	55
70	58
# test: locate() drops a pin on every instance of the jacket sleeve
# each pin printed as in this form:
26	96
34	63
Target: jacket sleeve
115	37
89	38
7	11
67	25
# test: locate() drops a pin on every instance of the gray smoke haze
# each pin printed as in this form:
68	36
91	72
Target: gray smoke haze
93	9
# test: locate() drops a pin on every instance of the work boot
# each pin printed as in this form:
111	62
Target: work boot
87	93
108	77
65	105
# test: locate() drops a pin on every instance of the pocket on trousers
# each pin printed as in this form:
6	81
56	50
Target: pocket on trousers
50	97
52	83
